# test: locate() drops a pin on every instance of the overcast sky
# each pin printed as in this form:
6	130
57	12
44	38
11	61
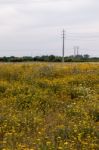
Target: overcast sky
34	27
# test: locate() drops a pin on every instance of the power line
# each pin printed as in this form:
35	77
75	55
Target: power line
77	37
89	36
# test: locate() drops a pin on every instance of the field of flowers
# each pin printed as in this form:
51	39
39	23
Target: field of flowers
48	106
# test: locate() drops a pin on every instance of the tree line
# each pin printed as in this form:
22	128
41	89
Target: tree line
50	58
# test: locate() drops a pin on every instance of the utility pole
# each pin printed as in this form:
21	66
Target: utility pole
77	50
74	51
63	48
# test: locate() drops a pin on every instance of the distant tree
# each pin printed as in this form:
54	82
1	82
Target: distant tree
86	56
50	58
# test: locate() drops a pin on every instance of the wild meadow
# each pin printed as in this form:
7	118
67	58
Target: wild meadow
49	106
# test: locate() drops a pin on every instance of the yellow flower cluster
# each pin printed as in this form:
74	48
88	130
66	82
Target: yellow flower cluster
49	106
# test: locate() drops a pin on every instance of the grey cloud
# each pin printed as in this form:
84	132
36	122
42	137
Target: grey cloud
28	1
32	25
